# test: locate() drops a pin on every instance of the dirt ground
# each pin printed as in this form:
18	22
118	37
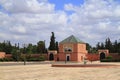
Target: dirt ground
46	72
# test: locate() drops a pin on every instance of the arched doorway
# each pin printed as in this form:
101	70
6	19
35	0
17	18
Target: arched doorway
51	56
68	58
102	55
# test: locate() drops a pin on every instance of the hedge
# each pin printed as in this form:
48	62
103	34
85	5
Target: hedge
41	58
110	60
6	59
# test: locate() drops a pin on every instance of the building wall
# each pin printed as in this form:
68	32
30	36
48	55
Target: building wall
82	48
106	51
93	57
81	57
78	52
62	56
2	54
74	57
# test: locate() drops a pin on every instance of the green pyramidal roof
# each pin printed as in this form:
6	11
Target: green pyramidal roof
71	39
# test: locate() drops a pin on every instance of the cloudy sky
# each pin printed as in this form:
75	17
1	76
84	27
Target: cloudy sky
29	21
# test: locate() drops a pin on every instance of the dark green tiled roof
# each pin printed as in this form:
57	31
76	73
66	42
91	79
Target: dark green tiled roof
72	39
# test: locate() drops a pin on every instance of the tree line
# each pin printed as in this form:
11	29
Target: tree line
113	47
7	47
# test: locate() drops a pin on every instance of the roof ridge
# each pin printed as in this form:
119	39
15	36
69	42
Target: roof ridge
72	39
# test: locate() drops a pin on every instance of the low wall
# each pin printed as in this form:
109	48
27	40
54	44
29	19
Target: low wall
8	56
90	57
93	57
115	55
2	54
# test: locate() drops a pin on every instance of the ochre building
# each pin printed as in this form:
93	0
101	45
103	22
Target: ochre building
70	49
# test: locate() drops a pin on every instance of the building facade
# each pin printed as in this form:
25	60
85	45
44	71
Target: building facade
70	49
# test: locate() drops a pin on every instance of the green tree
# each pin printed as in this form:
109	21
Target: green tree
41	47
34	49
29	48
16	55
102	46
52	42
56	45
6	47
115	45
98	45
88	47
108	45
119	47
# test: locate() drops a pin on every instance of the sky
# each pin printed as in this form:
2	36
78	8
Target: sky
30	21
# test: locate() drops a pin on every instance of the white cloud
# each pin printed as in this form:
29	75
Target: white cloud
69	7
34	20
95	20
19	29
27	6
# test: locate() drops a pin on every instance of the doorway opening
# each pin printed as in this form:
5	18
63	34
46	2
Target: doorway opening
102	55
68	58
51	57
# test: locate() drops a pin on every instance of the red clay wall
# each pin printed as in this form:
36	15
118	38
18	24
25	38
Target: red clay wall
2	54
93	57
81	57
115	55
62	56
73	57
8	56
78	52
106	51
81	48
60	48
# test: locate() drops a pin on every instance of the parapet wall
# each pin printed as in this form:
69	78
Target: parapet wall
2	54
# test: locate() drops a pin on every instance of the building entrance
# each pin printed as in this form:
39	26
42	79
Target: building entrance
51	56
68	58
102	55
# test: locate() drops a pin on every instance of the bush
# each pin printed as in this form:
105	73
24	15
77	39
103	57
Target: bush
109	57
6	59
110	60
41	58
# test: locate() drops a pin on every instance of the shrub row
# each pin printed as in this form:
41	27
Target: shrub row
6	59
110	60
41	58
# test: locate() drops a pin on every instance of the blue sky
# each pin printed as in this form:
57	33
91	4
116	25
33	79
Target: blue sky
29	21
60	3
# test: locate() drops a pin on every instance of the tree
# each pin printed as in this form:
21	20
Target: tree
41	47
52	42
16	54
108	45
102	46
98	45
34	49
88	47
29	48
119	47
6	47
56	45
115	45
